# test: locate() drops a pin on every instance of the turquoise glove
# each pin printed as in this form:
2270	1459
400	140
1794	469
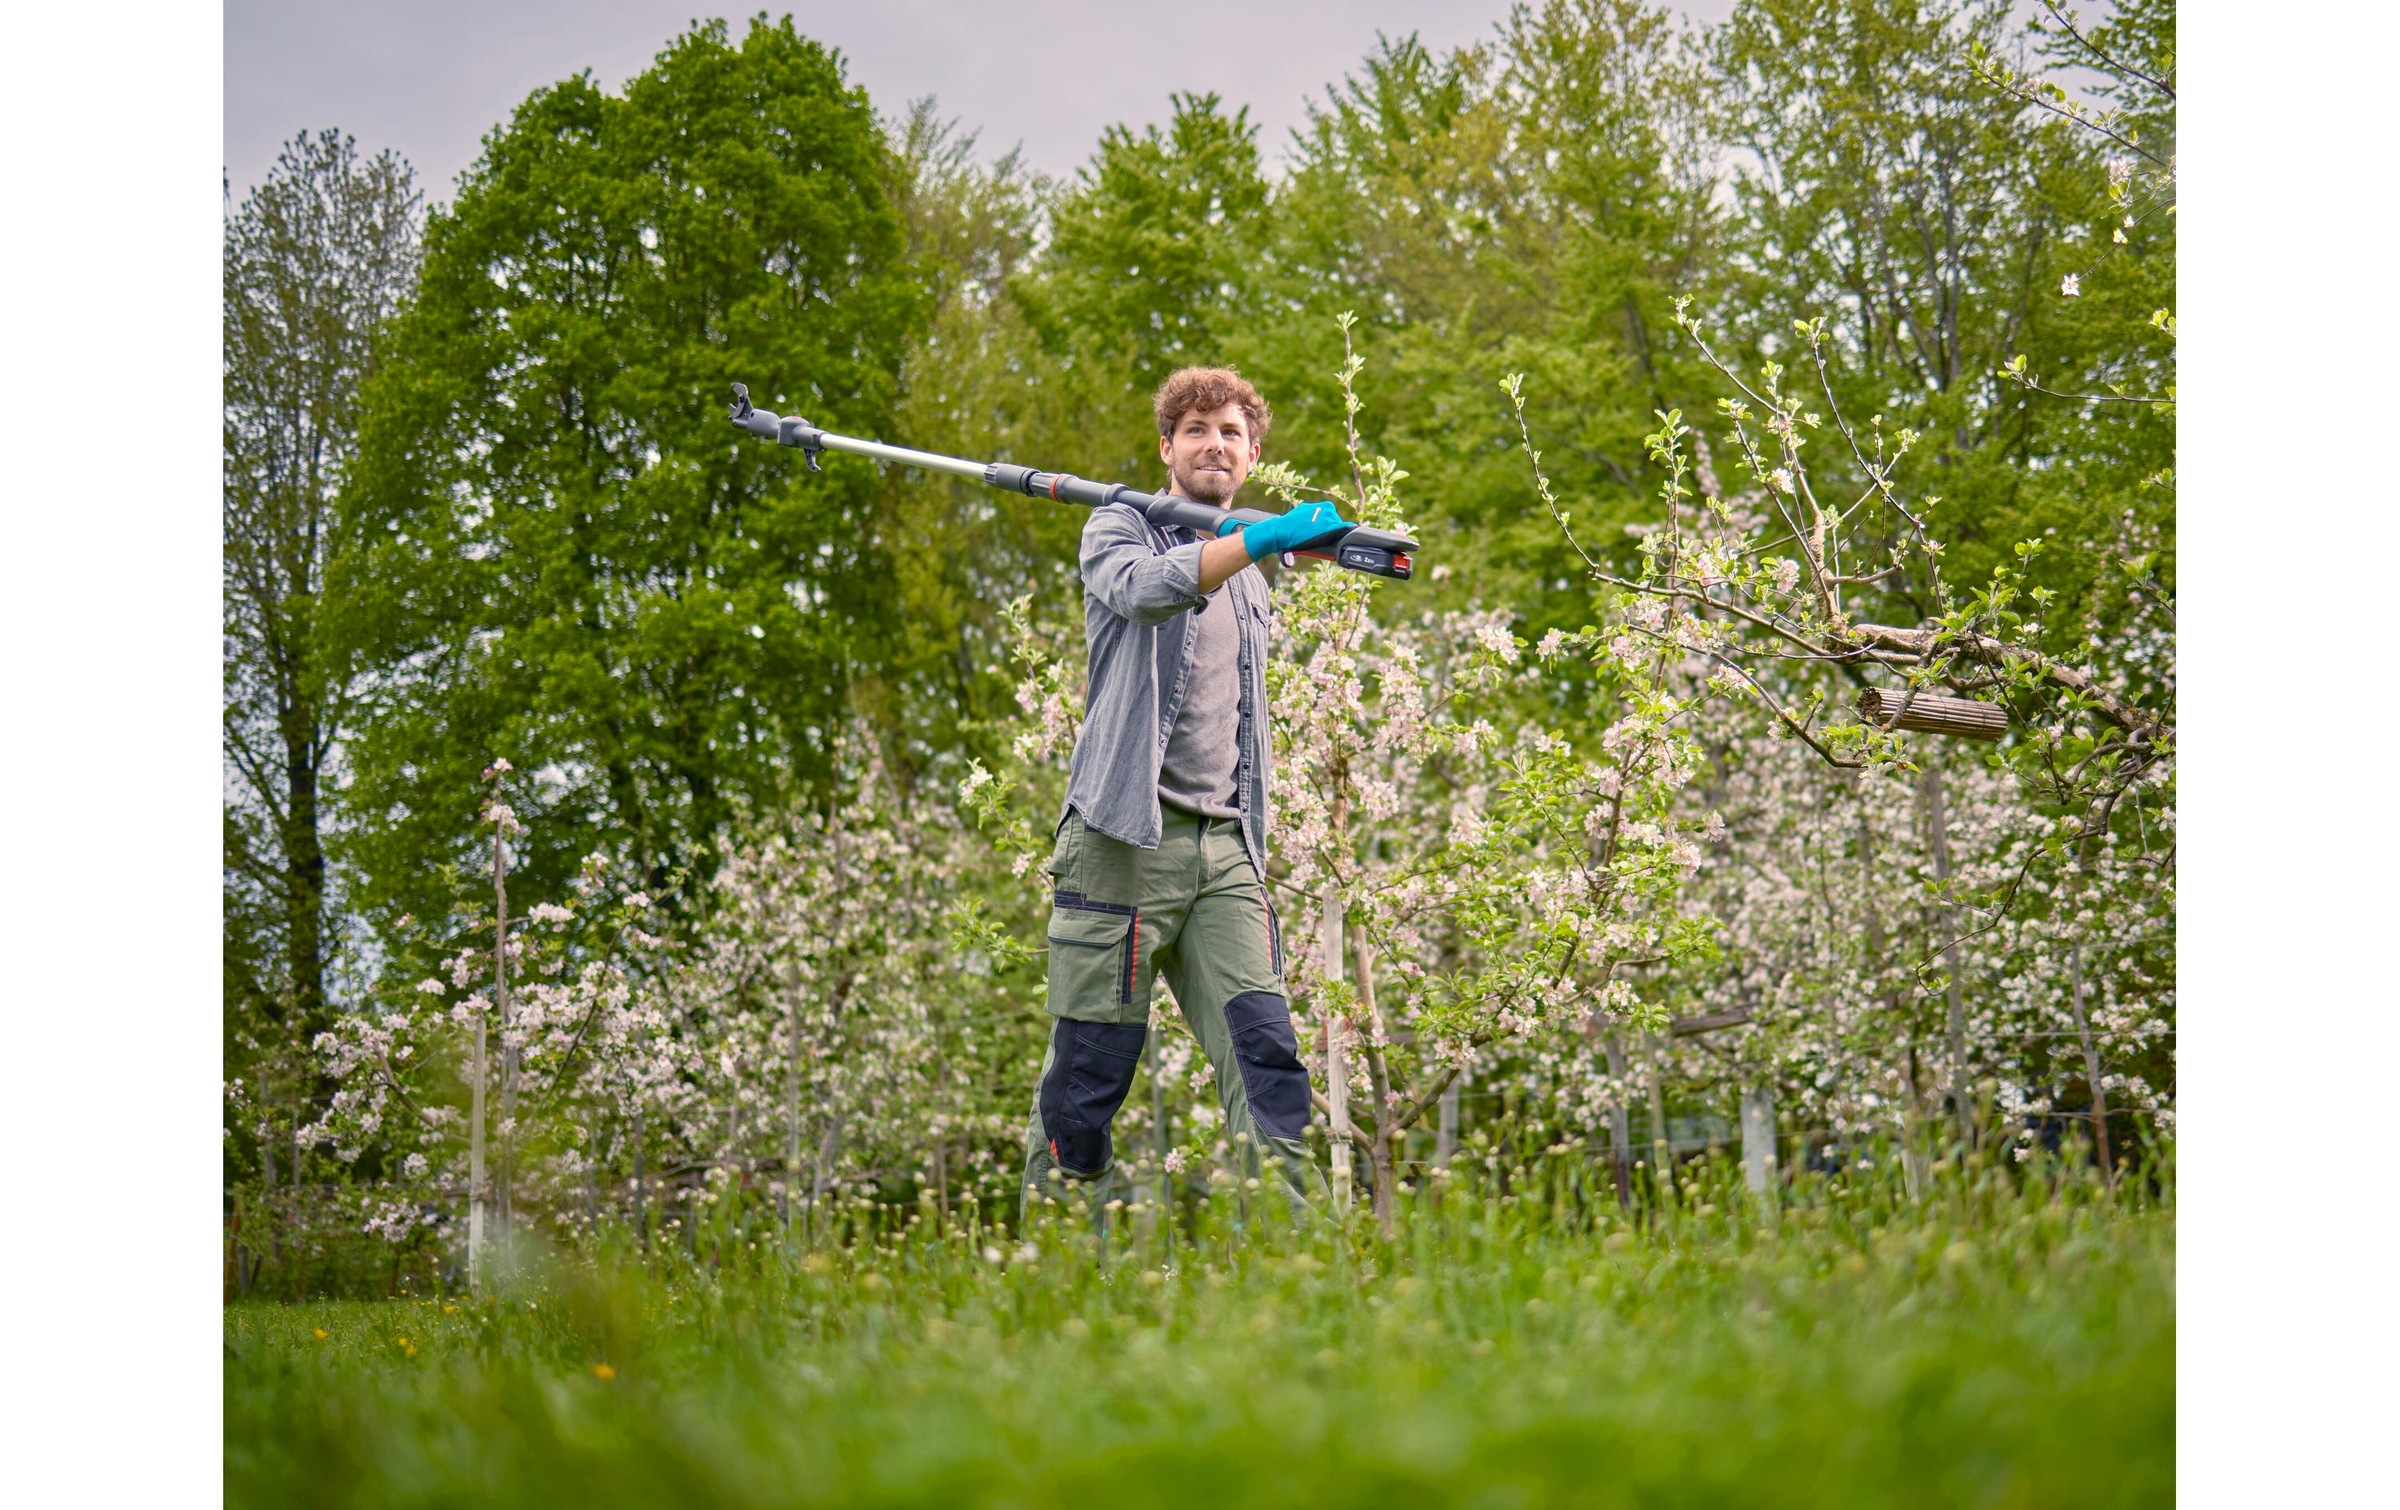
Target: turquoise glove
1303	525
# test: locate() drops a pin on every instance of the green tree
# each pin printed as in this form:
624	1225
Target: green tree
316	258
1531	203
972	230
1935	220
1149	267
556	548
2100	370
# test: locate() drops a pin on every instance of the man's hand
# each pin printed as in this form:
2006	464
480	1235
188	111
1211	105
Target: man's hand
1303	525
1238	545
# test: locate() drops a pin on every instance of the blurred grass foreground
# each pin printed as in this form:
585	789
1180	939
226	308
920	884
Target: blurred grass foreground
2004	1339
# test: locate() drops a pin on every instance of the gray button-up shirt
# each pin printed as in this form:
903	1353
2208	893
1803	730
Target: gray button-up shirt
1139	581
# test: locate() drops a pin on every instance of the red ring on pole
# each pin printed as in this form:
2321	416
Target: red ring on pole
1055	479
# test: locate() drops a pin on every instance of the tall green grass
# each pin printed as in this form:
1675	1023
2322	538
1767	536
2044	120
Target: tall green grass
2007	1340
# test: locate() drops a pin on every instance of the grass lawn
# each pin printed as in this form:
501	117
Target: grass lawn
1997	1344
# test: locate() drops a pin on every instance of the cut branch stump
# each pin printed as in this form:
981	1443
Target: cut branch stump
1932	713
1707	1022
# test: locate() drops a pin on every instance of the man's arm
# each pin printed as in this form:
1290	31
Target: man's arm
1220	559
1133	582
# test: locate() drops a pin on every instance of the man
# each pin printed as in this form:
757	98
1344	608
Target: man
1160	863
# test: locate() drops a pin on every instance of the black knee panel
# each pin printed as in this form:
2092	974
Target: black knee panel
1091	1069
1269	1054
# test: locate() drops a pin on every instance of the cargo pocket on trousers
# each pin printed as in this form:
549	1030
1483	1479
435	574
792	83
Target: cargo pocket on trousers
1269	1055
1094	955
1091	1068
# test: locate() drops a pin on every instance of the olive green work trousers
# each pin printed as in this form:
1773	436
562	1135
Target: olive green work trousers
1195	910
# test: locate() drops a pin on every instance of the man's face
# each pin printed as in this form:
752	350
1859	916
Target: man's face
1210	454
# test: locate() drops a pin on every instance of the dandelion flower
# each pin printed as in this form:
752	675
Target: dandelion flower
603	1372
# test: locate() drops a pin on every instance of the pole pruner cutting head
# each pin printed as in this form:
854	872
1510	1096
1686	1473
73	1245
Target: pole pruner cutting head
784	430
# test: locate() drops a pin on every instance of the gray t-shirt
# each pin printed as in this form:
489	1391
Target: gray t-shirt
1203	752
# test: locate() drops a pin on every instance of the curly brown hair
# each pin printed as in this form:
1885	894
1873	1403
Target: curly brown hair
1207	389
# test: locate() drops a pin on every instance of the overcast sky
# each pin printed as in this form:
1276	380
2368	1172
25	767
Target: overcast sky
430	77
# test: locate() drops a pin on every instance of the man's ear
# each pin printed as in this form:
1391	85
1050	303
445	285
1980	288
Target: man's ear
1166	448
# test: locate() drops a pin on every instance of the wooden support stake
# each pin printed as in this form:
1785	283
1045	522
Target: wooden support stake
1707	1022
1758	1137
1337	1061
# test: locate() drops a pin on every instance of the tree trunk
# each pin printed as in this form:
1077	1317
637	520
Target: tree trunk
304	878
1337	1063
1385	1157
641	1174
506	1204
1911	1158
1445	1131
1912	1131
791	1163
266	1157
829	1148
1937	833
2091	1066
1662	1151
475	1180
1620	1122
1158	1117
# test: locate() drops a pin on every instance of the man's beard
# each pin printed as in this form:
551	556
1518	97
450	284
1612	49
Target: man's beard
1207	487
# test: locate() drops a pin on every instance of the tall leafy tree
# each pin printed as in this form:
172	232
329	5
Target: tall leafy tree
972	229
1940	224
1531	203
2099	368
316	259
1149	267
556	549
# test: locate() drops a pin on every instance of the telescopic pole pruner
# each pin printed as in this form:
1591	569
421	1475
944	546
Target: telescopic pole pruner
1380	552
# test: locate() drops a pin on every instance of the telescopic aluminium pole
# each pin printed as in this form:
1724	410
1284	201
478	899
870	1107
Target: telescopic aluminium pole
1380	552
